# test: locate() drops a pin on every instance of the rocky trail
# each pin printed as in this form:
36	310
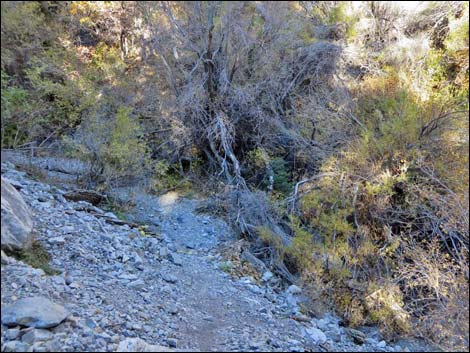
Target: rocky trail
118	289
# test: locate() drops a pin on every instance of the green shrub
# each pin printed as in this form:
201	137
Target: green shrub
281	176
113	147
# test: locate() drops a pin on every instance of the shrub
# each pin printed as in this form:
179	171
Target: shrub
113	147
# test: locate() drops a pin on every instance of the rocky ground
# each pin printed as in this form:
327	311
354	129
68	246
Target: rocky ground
118	286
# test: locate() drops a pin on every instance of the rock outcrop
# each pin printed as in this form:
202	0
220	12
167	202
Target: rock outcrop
16	219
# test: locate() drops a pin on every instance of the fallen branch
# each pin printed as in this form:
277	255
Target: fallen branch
90	196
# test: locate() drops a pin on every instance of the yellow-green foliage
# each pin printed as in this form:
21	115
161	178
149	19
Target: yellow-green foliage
166	178
15	105
385	306
270	238
124	153
258	158
114	147
302	248
330	210
23	24
108	62
368	204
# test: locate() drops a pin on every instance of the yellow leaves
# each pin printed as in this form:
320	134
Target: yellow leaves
123	153
385	305
86	21
269	237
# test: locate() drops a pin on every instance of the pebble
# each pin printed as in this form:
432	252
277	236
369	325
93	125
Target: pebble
382	344
169	278
173	343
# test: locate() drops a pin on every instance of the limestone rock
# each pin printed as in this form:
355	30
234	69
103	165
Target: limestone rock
38	312
16	219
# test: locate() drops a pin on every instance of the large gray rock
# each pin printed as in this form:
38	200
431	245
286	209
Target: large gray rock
38	312
16	219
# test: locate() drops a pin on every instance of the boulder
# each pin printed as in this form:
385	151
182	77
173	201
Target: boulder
16	219
38	312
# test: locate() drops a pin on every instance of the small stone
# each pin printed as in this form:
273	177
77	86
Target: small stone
138	284
274	343
255	289
172	342
316	335
56	240
40	347
137	259
382	344
137	327
68	279
90	323
246	280
322	324
68	229
176	259
15	346
172	309
138	345
74	285
334	335
12	334
255	345
5	258
358	336
267	276
36	335
163	252
169	278
293	289
129	277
